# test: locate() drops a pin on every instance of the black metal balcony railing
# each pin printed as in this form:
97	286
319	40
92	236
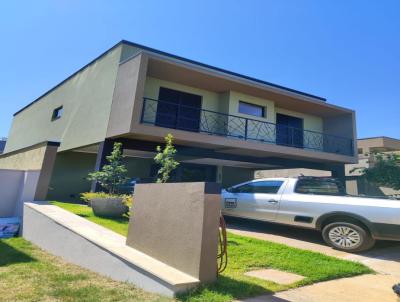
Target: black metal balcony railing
176	116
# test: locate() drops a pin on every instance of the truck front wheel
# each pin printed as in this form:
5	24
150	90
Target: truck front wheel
348	237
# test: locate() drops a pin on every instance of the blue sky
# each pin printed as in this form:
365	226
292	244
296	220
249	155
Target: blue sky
345	51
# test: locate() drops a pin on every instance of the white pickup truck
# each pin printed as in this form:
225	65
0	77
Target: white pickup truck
348	223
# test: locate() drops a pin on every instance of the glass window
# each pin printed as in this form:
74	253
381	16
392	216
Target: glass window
320	187
57	113
251	109
266	187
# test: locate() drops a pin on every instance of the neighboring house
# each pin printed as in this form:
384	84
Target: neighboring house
3	142
367	147
225	125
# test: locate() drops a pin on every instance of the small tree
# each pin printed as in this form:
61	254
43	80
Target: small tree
165	158
385	171
113	174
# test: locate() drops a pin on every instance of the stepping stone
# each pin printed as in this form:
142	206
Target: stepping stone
276	276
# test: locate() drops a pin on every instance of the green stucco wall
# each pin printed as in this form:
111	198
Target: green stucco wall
72	168
69	175
86	99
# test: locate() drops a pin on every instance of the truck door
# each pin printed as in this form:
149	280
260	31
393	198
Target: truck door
256	200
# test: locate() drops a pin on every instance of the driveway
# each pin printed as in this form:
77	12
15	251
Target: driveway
384	258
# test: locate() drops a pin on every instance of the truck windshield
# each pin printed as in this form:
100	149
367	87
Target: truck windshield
320	187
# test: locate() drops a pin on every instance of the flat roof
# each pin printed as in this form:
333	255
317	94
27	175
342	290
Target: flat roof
374	137
175	57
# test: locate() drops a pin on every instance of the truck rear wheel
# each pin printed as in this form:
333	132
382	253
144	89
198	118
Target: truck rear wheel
348	237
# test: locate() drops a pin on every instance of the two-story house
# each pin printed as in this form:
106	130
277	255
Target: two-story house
225	125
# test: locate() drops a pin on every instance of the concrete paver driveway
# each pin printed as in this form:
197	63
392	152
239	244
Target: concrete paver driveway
384	258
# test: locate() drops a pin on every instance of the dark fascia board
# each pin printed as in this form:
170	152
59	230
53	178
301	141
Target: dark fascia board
178	58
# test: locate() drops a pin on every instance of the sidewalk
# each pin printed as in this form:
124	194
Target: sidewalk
384	259
366	288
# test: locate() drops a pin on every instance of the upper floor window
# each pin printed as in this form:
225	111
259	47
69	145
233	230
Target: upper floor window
57	113
251	109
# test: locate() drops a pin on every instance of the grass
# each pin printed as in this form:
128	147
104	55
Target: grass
29	274
247	254
118	225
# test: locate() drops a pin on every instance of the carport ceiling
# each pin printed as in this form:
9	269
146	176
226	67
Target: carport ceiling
229	163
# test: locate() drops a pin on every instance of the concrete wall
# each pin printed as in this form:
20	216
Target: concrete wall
96	248
86	99
16	187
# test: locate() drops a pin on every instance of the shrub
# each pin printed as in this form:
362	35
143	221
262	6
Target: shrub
166	159
87	196
114	173
126	199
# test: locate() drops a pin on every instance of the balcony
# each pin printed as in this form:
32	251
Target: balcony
170	115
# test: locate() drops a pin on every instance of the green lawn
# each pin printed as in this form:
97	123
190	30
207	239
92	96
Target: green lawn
247	254
29	274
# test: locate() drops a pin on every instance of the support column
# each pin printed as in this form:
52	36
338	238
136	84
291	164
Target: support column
105	149
338	172
219	175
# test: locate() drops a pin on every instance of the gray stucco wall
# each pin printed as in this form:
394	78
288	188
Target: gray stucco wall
86	99
186	217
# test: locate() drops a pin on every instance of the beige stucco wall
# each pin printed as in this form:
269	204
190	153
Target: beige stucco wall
218	102
210	100
228	102
295	172
86	99
269	106
311	122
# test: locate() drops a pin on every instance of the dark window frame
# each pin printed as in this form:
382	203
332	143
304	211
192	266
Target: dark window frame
263	109
57	113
